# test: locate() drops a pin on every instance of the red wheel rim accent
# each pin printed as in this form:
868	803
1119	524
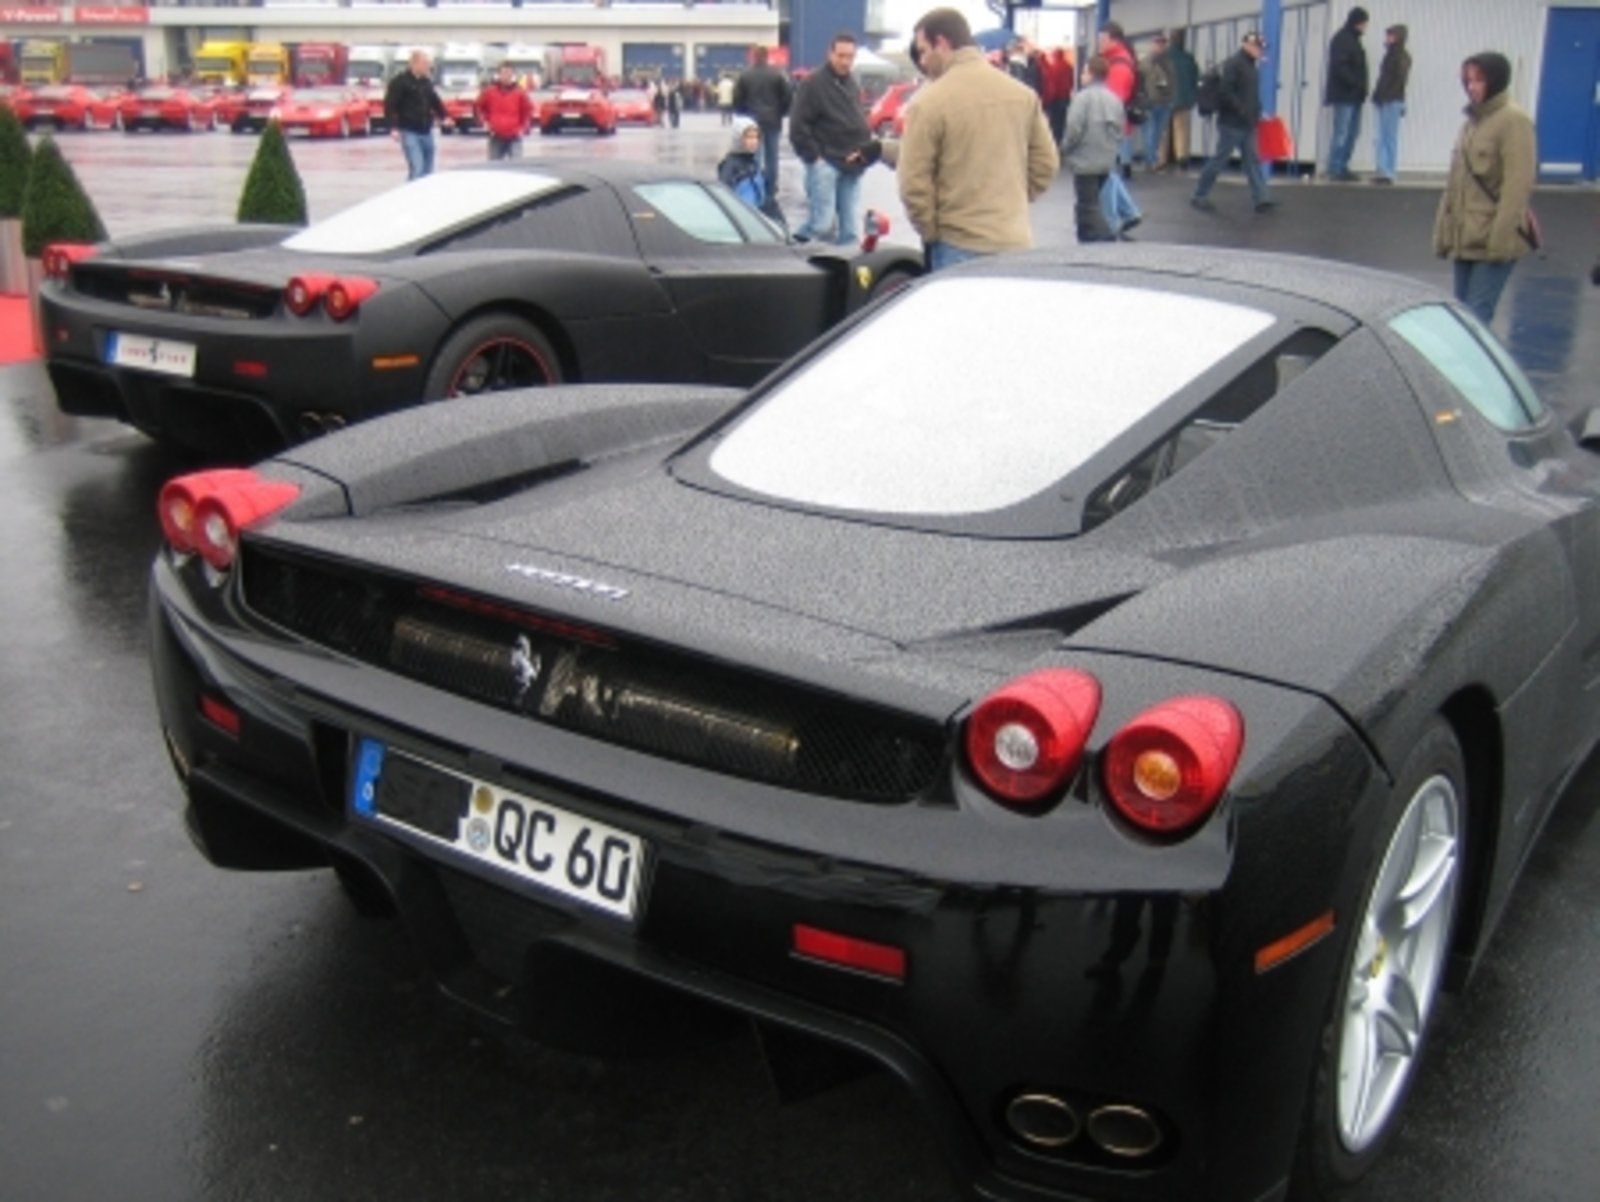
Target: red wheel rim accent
497	369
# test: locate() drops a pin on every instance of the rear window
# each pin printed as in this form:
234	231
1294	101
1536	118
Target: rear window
920	412
412	212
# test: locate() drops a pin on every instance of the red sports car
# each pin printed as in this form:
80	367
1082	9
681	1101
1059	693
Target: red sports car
461	106
576	108
634	106
249	111
888	114
69	106
164	107
334	112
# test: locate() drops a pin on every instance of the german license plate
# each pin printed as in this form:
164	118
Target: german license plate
152	354
511	833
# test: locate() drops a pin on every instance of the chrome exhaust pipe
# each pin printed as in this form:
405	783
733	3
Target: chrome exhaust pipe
1042	1120
1129	1132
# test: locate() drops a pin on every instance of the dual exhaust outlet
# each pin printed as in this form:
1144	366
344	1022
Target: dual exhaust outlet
1048	1123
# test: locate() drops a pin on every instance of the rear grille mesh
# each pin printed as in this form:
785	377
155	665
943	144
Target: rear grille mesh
161	292
631	694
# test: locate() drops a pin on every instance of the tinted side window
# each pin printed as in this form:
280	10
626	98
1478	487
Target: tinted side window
690	207
575	220
1473	364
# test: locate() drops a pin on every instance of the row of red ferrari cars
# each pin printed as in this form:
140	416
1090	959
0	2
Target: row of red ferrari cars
327	111
336	111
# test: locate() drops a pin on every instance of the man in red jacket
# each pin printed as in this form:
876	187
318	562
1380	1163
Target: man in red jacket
506	112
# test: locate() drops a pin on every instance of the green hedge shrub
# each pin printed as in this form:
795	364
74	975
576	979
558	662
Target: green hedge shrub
55	208
272	191
15	156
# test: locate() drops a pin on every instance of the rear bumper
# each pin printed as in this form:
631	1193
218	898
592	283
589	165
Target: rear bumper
1116	997
257	386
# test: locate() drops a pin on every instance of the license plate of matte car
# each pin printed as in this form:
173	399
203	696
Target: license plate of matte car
152	354
522	836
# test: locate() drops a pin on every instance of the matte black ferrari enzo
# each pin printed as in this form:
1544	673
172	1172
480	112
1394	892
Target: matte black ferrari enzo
1114	690
239	339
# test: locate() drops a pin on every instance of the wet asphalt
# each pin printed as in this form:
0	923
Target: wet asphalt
170	1031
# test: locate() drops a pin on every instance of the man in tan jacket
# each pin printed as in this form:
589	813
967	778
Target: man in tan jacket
977	149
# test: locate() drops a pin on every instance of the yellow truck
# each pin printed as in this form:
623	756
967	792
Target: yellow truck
43	61
221	62
267	64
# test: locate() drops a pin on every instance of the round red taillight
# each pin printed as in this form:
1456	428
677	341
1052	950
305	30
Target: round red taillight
303	293
345	295
1024	742
57	258
204	511
179	496
1167	768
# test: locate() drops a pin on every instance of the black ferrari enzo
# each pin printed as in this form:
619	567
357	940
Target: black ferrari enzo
238	339
1115	690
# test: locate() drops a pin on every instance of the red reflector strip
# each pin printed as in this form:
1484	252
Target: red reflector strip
220	714
252	368
879	959
1295	942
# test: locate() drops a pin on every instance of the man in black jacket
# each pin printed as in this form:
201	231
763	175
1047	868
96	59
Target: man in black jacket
1346	92
1238	114
763	94
829	132
410	105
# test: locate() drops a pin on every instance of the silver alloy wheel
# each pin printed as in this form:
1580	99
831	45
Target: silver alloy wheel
1400	958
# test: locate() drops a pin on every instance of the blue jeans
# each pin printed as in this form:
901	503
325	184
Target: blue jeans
831	194
948	254
1229	139
418	149
1155	129
1116	203
1479	284
769	156
1389	136
1346	129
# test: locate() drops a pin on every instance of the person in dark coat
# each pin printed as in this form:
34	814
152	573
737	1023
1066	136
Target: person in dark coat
1346	92
1186	82
828	130
1389	98
763	93
411	104
1238	114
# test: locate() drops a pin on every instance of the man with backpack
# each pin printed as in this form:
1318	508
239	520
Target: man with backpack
1238	108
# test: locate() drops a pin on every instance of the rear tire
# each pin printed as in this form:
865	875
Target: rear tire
492	353
1397	950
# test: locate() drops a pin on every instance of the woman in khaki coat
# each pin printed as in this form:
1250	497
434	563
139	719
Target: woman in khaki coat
1483	220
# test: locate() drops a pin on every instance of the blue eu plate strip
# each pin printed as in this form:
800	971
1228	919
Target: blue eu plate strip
369	765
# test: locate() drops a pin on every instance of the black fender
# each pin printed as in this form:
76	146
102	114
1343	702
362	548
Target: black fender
862	271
